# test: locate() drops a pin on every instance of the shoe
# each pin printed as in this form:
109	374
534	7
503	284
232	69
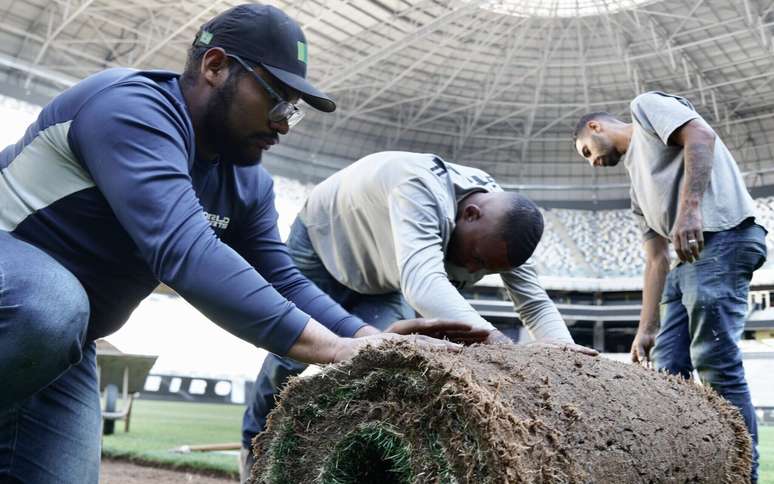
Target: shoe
246	461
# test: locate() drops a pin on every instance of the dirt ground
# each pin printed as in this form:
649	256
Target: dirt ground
118	472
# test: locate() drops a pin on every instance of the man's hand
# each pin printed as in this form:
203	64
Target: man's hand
346	348
366	330
643	343
496	337
687	235
566	346
456	331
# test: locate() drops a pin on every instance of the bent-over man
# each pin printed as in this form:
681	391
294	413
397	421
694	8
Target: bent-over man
398	232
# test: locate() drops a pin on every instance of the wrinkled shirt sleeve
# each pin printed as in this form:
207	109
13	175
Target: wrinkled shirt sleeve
536	310
416	221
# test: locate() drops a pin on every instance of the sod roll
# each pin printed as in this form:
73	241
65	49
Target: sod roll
498	414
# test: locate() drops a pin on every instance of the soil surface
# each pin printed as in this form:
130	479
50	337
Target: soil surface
119	472
499	414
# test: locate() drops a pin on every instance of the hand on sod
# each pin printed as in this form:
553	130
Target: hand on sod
348	347
456	331
566	346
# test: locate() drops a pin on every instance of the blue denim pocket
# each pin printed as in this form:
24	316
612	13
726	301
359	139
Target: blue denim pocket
750	257
702	281
750	251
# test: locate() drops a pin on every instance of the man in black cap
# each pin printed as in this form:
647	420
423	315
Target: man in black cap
133	178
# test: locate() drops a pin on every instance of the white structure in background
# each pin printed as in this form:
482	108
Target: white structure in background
15	116
187	342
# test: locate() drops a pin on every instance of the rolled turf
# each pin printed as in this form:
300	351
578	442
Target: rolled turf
499	414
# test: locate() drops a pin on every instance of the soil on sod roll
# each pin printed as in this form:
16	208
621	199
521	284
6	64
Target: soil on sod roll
499	414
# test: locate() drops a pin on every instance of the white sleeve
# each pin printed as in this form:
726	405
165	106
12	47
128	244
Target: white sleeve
415	216
535	308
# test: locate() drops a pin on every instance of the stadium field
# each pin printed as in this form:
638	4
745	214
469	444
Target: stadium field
158	427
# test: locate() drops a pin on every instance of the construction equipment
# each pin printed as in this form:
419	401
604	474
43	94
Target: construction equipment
116	368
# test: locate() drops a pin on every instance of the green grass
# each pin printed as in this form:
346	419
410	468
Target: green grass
766	449
282	448
374	452
157	427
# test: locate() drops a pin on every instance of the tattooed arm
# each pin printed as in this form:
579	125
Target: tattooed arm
698	142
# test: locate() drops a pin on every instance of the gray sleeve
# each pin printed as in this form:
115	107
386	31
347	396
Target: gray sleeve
661	113
647	232
535	308
415	215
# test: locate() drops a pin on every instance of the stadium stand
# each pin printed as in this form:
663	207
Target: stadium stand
610	242
576	243
608	239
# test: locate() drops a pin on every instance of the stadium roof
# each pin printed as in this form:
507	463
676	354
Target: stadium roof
498	84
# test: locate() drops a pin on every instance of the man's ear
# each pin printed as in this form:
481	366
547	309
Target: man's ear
471	213
214	66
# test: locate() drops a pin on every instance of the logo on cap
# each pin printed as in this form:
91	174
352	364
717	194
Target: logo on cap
302	54
205	37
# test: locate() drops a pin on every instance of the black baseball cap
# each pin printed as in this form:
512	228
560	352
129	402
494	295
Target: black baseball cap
262	34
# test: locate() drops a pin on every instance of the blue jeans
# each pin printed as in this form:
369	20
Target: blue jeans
49	400
377	310
703	313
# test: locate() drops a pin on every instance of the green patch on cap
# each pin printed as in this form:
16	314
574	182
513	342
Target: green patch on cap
205	37
302	53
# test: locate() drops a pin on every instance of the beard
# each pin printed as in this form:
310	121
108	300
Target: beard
230	147
608	154
611	159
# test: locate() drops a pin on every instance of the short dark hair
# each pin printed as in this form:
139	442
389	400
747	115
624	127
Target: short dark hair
521	227
584	120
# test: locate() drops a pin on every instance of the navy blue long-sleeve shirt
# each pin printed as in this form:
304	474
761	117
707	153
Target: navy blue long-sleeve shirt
107	182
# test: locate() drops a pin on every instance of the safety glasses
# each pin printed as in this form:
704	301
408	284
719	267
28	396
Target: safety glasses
282	110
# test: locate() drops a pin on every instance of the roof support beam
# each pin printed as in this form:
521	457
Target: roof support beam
675	52
329	7
479	107
493	36
755	19
547	52
399	44
67	20
77	53
573	112
191	21
404	72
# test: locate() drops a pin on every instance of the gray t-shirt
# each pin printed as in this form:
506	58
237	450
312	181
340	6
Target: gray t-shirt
384	223
656	170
